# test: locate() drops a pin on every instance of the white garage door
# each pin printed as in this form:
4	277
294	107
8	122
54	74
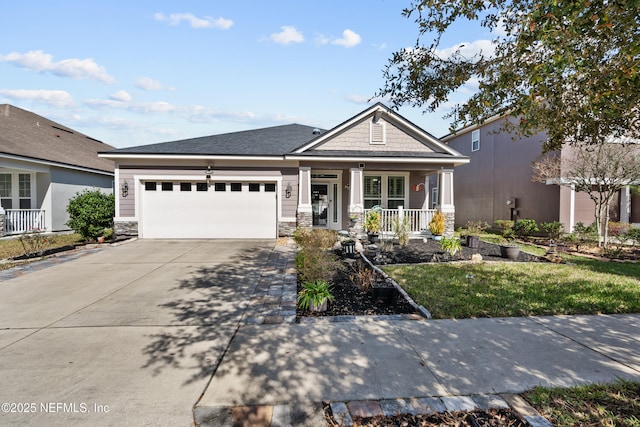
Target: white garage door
192	210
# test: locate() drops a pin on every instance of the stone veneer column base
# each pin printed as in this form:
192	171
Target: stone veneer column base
449	227
286	228
124	229
356	225
2	213
304	219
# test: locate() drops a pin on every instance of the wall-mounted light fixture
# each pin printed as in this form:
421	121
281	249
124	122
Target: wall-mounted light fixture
347	187
124	189
208	175
287	191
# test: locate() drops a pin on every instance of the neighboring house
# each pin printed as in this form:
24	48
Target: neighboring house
263	183
42	165
497	184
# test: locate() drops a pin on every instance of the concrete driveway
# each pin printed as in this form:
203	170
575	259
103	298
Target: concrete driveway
127	336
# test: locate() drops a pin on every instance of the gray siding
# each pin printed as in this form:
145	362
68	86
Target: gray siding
501	170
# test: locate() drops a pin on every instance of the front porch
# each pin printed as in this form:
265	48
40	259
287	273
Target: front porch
340	199
17	221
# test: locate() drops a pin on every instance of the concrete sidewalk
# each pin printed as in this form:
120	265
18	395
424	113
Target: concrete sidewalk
286	365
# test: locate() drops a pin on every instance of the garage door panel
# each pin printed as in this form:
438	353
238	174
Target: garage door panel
208	214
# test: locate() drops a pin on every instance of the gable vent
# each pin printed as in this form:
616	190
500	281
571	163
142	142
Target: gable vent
377	132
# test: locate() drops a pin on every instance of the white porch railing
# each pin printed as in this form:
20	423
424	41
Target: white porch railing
418	219
18	221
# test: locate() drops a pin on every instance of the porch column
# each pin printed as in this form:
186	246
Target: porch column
625	204
304	215
356	202
445	199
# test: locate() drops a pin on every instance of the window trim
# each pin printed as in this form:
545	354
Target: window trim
14	190
475	140
384	188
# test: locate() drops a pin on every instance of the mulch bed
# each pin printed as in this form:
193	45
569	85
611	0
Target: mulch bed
478	418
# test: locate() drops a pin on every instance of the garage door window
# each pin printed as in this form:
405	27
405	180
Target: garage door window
167	186
221	186
253	186
185	186
270	188
150	186
236	186
202	186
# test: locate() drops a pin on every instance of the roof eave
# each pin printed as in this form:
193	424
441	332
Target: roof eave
156	156
454	160
56	164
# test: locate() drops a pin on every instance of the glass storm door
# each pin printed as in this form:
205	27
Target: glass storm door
320	205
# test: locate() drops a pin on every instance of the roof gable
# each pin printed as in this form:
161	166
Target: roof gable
376	131
27	135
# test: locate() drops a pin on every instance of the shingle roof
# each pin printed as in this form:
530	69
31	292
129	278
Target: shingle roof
390	154
271	141
26	134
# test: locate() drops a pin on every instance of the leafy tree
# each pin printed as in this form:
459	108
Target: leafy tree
599	170
569	68
91	212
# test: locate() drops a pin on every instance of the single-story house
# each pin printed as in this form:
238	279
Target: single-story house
264	183
42	165
497	183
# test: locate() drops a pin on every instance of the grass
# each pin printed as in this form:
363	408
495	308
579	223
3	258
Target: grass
615	404
11	248
466	290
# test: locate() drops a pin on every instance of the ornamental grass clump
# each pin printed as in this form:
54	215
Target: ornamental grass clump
437	224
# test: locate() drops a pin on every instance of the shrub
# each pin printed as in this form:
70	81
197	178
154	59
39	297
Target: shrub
372	222
401	228
91	212
316	264
437	224
553	229
525	227
314	293
475	228
451	245
634	235
34	242
315	238
504	224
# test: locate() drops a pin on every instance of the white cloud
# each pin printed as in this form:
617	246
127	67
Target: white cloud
74	68
289	34
121	96
55	98
468	50
147	83
349	39
194	21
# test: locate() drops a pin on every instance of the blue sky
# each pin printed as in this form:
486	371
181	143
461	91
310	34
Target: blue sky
138	72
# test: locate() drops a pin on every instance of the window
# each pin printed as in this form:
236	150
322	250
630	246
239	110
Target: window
270	188
254	186
236	186
372	191
387	190
167	186
202	186
220	186
395	192
150	186
5	190
475	140
185	186
434	197
377	133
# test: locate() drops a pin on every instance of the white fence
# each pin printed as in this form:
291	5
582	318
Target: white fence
418	219
18	221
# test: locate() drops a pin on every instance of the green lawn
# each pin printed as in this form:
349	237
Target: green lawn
615	404
464	290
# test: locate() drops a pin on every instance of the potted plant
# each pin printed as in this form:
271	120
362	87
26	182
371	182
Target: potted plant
315	295
474	229
372	223
437	225
508	248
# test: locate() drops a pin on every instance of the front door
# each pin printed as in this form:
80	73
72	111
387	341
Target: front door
325	203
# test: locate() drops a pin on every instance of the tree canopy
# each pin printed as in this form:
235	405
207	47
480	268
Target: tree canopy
569	68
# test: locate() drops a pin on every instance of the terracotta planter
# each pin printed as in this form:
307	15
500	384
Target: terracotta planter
101	239
510	252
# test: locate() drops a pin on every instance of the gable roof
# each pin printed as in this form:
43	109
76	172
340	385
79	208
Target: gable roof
28	136
295	141
271	141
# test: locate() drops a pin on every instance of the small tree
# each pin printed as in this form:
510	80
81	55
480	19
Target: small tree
600	171
91	212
